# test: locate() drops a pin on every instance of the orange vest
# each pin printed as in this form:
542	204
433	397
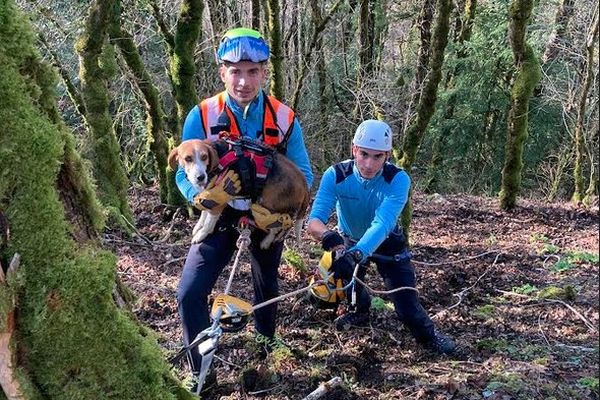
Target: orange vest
278	120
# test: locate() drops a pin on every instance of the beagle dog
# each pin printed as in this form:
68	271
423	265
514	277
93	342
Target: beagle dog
285	189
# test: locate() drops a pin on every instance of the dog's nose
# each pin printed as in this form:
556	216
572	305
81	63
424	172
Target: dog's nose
201	178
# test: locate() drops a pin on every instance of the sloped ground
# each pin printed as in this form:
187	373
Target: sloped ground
518	291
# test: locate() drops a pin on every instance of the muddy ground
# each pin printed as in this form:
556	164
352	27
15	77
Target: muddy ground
517	290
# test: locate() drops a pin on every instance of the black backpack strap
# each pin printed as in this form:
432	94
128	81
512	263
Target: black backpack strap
343	170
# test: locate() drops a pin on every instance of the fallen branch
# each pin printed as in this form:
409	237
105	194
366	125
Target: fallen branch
550	301
324	388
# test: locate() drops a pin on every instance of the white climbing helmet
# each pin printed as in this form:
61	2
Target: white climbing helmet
374	135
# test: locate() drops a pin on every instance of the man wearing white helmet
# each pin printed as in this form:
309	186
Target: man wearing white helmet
368	194
241	110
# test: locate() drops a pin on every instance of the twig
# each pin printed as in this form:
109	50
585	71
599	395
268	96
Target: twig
461	294
263	391
173	221
227	362
541	330
169	262
324	388
549	257
133	228
549	301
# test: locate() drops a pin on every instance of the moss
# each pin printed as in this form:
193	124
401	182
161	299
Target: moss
88	346
484	312
293	258
155	135
568	293
105	155
72	340
182	66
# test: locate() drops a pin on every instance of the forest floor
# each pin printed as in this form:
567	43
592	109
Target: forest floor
517	290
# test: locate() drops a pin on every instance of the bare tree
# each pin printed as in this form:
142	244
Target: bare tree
580	151
564	12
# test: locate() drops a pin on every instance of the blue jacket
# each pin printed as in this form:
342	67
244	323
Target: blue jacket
250	121
367	209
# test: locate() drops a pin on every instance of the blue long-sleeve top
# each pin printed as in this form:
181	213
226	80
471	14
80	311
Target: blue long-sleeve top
367	209
250	124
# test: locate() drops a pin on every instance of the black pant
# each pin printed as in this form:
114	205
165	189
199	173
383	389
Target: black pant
205	262
397	272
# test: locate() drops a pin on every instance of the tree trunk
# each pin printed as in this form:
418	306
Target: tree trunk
274	23
581	106
557	37
218	19
71	339
108	168
527	76
72	91
182	66
592	189
320	24
425	22
364	62
426	106
464	27
256	15
155	118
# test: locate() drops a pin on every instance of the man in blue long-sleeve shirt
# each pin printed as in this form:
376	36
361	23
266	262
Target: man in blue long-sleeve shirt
243	109
368	194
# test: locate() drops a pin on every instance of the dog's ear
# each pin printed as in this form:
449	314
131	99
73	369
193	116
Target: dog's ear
213	158
173	162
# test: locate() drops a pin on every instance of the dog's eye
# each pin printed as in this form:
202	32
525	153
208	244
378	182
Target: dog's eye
189	159
203	157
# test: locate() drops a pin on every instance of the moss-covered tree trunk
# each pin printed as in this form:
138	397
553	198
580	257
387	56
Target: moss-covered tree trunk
413	135
105	152
580	145
527	76
274	24
425	22
72	341
182	71
155	118
182	66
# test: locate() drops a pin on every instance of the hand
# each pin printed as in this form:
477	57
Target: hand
218	193
331	239
343	267
265	219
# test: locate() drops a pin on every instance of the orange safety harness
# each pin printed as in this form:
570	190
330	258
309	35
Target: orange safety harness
278	121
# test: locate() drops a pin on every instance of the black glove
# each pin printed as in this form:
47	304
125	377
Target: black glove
331	239
343	267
